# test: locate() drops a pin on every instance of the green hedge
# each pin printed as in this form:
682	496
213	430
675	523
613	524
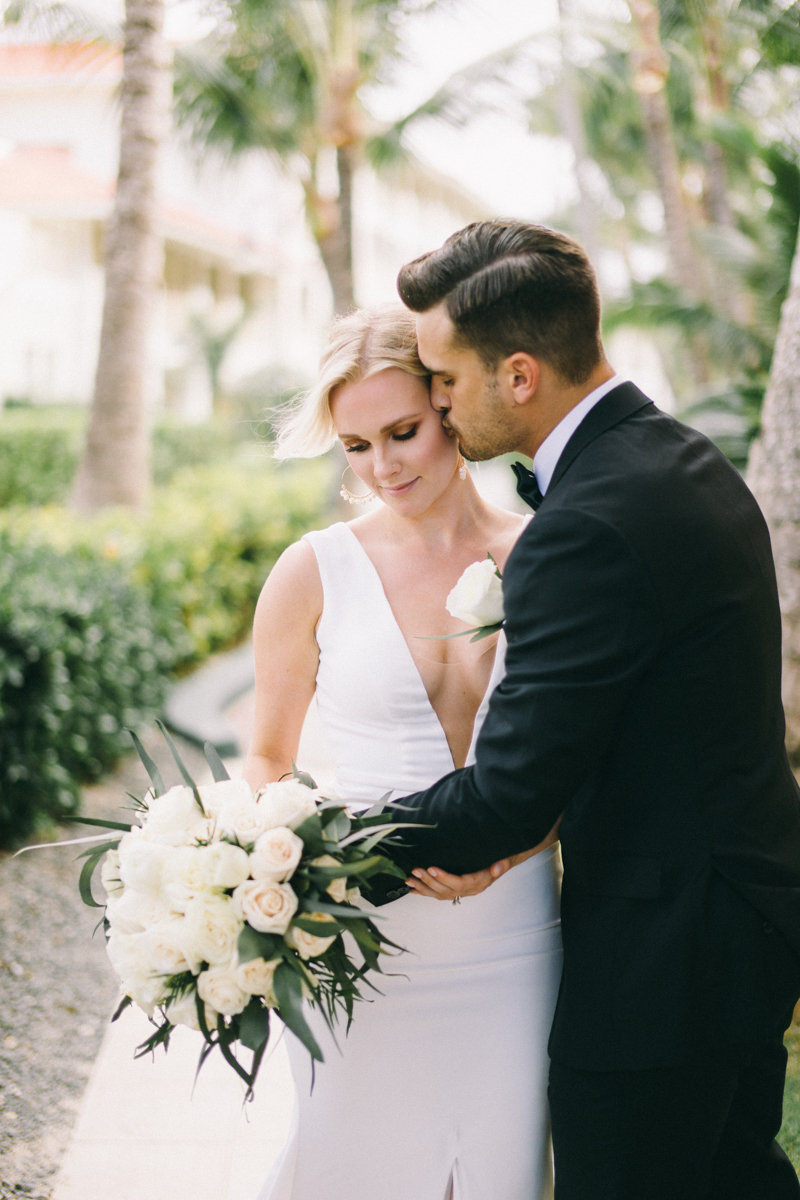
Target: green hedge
79	660
40	449
114	604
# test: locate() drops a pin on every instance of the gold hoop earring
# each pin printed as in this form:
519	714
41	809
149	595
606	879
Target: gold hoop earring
347	495
462	467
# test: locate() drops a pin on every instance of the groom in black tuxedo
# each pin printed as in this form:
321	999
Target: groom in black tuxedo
641	700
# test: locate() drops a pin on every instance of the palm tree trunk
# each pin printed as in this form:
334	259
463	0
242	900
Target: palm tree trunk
571	122
115	465
651	67
774	476
335	235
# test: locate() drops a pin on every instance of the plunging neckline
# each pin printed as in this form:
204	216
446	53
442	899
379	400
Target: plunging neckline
412	660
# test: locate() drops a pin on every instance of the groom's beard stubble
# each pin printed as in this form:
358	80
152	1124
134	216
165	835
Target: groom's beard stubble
492	432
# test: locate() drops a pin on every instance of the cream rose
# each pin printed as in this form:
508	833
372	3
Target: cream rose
309	945
162	947
226	791
136	911
184	1012
211	930
218	987
276	854
243	819
337	888
229	865
268	907
171	815
141	863
352	895
287	803
256	978
477	598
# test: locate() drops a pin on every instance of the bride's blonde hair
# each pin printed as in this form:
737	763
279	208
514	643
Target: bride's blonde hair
360	345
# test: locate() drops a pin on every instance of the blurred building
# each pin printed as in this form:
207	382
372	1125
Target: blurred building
237	254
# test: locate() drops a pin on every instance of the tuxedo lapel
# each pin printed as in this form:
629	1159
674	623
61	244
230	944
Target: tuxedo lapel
618	404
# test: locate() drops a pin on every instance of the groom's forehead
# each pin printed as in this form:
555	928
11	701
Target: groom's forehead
435	338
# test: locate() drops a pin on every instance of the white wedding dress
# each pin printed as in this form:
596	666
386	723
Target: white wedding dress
440	1086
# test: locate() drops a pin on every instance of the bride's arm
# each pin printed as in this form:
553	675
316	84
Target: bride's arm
286	657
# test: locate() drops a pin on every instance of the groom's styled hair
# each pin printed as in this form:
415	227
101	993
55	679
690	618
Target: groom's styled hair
511	286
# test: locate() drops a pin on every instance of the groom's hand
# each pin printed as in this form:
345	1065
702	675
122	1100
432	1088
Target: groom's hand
440	885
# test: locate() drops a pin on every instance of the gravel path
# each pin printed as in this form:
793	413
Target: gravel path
57	989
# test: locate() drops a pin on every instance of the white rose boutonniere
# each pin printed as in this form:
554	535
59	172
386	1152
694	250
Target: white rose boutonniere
477	599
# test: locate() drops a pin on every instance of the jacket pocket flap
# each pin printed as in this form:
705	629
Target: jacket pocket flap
631	877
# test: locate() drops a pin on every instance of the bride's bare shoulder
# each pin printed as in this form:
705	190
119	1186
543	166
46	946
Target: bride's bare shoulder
294	582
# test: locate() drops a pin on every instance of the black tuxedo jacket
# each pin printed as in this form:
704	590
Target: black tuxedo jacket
642	700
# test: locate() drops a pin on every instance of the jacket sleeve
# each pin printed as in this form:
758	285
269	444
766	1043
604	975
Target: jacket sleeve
583	625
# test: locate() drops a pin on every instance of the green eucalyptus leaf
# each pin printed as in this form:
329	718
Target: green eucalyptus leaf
218	768
288	989
303	776
254	1025
149	766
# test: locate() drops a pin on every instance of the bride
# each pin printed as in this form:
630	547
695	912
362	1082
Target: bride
439	1089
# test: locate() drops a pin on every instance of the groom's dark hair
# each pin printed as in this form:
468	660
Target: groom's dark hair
511	286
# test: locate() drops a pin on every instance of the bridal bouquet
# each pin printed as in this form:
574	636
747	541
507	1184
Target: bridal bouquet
222	906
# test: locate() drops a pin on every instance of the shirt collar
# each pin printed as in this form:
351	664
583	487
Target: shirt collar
553	446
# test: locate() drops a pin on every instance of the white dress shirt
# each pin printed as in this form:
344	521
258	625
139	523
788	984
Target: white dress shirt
551	449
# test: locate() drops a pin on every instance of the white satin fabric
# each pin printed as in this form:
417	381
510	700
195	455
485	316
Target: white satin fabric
441	1082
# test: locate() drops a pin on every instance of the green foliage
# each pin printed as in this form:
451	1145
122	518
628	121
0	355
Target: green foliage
96	613
40	447
79	660
789	1136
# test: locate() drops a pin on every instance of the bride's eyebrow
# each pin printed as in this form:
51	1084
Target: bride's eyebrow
386	428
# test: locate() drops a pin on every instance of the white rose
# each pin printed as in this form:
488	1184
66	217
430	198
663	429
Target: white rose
256	978
287	803
218	987
141	862
227	791
337	888
188	869
169	816
276	854
352	895
309	945
267	906
110	877
211	930
148	991
230	864
184	1012
243	819
125	953
136	911
162	947
477	598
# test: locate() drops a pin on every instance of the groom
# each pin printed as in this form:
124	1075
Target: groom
641	700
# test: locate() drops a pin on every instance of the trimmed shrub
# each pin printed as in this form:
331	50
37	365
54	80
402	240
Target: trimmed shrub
96	613
40	449
79	661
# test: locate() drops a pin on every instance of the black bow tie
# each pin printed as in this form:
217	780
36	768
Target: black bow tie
527	487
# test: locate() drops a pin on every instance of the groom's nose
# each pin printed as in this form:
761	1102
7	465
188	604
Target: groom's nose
439	397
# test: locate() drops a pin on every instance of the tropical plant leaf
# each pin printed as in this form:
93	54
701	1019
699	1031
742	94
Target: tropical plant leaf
253	944
92	857
288	990
97	821
254	1025
187	779
124	1003
218	768
149	765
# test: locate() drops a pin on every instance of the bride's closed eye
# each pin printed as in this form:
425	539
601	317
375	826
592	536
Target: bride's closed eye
358	447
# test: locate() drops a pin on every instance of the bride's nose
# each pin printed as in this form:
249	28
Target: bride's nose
384	463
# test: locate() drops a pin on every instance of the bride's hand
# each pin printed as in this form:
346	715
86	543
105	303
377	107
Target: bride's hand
440	885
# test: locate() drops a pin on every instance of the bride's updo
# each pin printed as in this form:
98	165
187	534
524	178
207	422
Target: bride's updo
360	345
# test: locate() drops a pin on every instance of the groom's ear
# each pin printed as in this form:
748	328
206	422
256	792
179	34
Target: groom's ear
519	377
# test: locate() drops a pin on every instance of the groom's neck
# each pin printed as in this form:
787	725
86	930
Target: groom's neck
553	400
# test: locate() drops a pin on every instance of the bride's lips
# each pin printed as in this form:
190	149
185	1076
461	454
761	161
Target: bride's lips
400	489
